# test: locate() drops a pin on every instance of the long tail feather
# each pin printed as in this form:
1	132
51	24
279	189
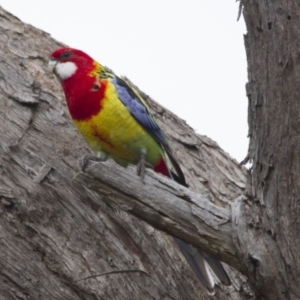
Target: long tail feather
198	260
217	268
197	263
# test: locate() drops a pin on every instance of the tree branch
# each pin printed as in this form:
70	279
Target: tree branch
167	206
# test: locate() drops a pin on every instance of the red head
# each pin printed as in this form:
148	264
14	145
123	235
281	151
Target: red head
65	62
77	72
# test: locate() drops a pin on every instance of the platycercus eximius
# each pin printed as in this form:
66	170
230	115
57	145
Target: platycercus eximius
115	121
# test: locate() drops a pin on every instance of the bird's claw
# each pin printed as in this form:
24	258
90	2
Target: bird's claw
142	165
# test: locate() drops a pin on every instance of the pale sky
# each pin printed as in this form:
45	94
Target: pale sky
188	55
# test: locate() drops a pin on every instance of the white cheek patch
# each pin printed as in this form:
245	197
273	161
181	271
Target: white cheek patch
65	70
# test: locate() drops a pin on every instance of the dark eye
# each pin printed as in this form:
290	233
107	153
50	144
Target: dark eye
65	54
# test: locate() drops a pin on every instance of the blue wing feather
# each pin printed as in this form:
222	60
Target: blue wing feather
138	109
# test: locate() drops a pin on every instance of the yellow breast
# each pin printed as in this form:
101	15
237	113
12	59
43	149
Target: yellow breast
115	131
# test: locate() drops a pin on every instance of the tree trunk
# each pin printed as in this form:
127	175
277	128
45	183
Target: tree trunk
270	241
57	228
60	228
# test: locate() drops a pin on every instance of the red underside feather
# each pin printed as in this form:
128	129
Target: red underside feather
161	168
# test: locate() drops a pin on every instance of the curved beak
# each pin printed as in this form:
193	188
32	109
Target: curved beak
52	64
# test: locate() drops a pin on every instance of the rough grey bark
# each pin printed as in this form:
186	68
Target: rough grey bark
271	215
58	226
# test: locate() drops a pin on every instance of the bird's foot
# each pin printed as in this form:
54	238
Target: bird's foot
90	157
142	165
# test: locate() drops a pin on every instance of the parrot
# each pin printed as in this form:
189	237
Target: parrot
115	121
